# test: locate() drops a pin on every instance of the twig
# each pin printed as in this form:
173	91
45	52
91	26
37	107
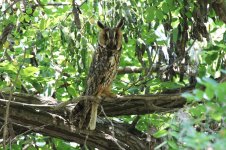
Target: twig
112	129
53	4
5	130
58	3
28	105
8	29
2	128
76	11
129	69
139	82
75	100
30	129
16	1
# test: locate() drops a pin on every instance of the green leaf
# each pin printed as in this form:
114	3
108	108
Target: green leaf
6	66
198	94
44	2
133	90
27	18
172	144
48	11
211	56
202	70
13	18
162	42
29	10
210	82
175	34
71	90
160	133
221	92
165	8
169	3
21	18
188	14
159	14
150	13
29	71
198	111
42	24
209	93
65	8
37	86
188	96
217	116
36	13
175	24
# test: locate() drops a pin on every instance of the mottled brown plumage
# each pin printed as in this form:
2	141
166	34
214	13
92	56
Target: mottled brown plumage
103	69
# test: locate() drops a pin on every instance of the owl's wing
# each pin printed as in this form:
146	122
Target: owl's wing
100	73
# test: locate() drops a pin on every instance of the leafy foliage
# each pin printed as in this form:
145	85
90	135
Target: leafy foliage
50	50
201	125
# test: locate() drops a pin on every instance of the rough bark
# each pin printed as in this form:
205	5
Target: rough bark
44	115
56	126
121	105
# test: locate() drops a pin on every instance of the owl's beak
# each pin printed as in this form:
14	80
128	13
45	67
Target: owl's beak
112	44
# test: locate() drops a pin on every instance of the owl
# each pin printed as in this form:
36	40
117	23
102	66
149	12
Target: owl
103	70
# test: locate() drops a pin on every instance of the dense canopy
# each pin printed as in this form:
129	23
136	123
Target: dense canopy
171	83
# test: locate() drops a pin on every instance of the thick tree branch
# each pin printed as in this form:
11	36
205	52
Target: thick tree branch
39	114
137	105
122	105
56	126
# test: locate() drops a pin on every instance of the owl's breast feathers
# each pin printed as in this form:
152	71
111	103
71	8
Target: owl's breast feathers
103	70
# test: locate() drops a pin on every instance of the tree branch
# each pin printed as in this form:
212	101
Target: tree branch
121	105
131	69
57	126
39	114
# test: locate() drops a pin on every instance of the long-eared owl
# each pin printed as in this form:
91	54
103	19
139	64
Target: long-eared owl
103	69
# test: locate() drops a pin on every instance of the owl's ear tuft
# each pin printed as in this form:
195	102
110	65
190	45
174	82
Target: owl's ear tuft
100	25
120	23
